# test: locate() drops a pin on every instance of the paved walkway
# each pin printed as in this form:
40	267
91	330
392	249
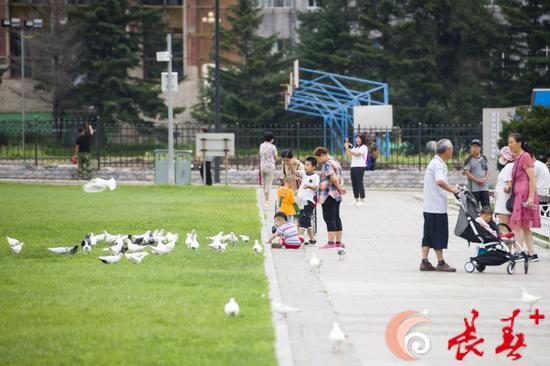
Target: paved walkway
379	278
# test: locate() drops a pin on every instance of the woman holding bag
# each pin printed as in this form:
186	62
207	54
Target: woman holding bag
524	200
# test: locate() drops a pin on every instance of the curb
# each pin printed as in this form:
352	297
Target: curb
283	351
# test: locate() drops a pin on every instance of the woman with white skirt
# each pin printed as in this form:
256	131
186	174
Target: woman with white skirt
502	189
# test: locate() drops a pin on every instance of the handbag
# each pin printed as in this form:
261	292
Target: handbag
510	201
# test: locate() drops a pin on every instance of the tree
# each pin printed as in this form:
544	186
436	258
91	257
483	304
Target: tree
526	53
326	39
112	36
251	74
534	126
55	52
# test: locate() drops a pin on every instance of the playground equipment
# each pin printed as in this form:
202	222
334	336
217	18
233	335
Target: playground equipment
333	98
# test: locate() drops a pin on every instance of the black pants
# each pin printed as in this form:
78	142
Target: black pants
482	198
331	214
208	173
305	215
357	174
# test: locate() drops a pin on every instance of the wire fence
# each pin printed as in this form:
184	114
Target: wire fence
133	146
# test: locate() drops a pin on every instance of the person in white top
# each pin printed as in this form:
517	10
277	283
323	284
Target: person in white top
306	198
542	176
436	221
502	188
359	154
268	159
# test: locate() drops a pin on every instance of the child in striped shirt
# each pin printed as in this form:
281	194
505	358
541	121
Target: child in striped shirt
287	232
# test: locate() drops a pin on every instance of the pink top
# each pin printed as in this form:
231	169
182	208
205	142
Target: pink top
523	217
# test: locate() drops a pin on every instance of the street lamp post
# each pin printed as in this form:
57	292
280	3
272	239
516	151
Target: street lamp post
215	18
16	24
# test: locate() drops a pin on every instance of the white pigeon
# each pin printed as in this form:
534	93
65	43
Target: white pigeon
171	244
172	237
336	336
190	237
529	299
94	239
109	238
99	185
282	309
64	250
161	249
217	237
341	254
257	248
13	242
231	308
117	248
245	238
110	259
16	249
136	257
194	244
216	245
231	238
144	236
315	264
133	248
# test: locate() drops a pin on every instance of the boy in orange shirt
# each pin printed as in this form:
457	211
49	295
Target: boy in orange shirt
286	201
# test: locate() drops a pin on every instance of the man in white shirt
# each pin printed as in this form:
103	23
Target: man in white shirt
436	221
542	176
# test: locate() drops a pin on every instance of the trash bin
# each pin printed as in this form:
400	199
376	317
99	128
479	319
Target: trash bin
161	166
183	166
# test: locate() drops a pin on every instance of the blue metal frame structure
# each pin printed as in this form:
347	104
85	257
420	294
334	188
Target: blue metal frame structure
332	97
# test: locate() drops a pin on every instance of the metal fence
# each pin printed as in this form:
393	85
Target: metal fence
47	143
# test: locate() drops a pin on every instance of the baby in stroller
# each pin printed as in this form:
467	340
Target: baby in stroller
495	242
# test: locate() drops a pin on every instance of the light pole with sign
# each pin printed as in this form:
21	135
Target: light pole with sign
16	23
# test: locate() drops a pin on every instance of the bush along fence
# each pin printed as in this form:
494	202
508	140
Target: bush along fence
132	146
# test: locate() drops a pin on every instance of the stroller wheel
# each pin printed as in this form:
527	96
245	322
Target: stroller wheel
511	268
469	267
480	267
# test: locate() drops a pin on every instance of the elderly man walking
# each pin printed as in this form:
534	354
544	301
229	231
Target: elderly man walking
436	222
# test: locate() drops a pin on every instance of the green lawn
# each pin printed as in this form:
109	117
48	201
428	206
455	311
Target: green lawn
62	310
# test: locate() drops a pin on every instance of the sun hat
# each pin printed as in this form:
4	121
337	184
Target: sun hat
505	155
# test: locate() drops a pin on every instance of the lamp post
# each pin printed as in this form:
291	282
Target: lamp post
166	56
215	18
16	23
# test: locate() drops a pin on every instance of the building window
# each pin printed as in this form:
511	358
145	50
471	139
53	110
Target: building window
275	3
314	3
282	44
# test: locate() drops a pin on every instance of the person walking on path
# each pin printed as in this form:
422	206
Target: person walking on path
82	151
292	167
268	158
331	190
502	190
359	154
436	221
476	169
525	212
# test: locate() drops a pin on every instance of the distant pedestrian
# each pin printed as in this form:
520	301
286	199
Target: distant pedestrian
82	151
525	213
268	159
206	165
373	155
359	154
331	190
476	169
436	221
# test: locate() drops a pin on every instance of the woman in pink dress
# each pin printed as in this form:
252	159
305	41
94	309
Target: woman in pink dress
525	214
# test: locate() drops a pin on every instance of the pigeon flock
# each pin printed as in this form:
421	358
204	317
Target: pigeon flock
136	247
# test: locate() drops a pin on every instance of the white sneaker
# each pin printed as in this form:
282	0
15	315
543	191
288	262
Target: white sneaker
353	203
360	203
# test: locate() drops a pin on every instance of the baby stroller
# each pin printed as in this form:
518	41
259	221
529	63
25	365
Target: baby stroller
492	250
